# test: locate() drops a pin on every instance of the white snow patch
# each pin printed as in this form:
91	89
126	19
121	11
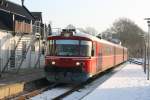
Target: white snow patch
128	84
49	95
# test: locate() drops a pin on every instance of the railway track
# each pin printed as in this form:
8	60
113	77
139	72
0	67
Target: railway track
29	94
75	88
54	92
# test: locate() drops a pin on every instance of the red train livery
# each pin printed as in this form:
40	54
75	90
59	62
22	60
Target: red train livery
74	57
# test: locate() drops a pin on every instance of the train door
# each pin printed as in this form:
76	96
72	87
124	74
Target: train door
114	55
94	61
99	58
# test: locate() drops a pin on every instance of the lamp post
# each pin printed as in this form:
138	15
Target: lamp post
144	51
144	54
148	22
145	58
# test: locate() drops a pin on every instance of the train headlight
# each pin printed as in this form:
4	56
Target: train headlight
53	62
77	63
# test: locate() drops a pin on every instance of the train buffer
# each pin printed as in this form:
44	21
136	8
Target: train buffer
130	83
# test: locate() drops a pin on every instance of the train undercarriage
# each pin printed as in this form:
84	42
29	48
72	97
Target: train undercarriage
65	75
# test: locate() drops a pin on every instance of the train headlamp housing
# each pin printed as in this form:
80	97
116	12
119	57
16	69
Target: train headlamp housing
78	63
53	62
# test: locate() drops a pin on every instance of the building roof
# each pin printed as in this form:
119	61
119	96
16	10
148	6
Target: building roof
17	9
37	15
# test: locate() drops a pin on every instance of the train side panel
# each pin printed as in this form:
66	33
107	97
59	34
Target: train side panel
125	54
108	56
92	67
119	55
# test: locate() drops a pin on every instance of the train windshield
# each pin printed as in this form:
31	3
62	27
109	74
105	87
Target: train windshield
69	48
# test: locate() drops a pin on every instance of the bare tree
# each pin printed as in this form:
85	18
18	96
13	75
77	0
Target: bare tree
129	34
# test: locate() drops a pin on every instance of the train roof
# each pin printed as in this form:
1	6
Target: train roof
93	38
96	38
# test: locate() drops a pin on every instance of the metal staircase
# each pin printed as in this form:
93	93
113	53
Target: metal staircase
18	55
23	51
12	56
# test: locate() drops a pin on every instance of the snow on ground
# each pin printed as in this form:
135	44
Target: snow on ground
50	94
128	84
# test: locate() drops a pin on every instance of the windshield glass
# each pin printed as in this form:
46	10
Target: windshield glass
85	48
69	48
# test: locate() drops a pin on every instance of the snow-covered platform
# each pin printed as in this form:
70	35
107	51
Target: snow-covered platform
130	83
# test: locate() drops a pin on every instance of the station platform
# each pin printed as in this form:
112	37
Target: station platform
13	83
130	83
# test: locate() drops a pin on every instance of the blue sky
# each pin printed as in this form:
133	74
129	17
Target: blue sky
99	14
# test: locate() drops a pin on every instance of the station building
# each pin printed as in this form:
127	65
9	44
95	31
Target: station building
20	47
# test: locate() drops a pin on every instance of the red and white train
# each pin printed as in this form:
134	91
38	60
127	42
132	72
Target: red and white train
74	57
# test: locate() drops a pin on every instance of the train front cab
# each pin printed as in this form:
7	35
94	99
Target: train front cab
70	68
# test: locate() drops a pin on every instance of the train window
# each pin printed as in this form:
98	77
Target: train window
107	50
72	42
85	48
50	47
67	47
